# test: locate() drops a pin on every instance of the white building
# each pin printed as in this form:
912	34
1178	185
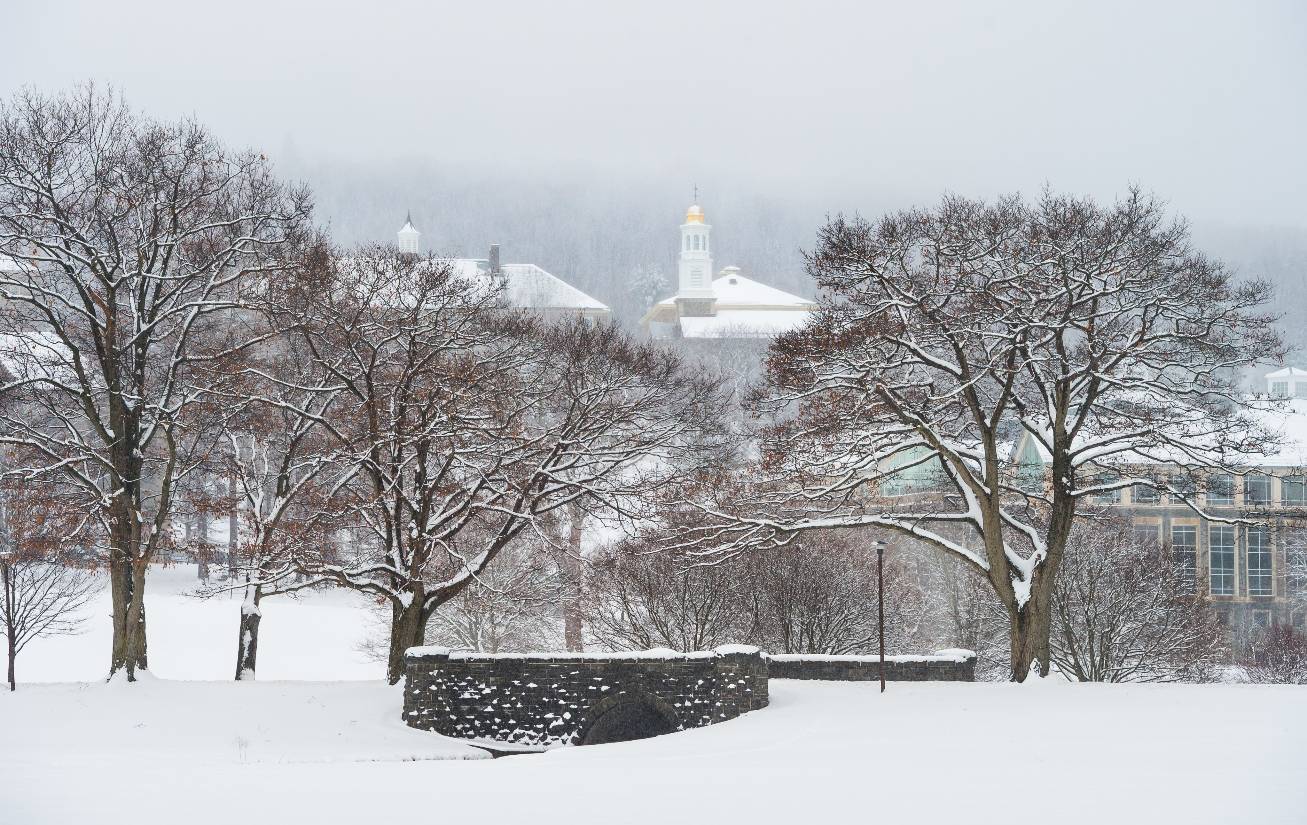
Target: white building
526	286
1289	382
728	306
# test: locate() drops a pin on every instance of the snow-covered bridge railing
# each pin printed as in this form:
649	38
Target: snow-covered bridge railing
943	666
546	699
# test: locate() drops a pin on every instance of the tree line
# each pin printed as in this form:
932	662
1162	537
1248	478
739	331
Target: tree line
174	322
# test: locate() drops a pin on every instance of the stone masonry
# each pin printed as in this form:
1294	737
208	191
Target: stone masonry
944	666
543	700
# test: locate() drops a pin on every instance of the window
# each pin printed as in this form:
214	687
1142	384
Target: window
1261	619
1220	546
1293	490
1146	534
1184	485
1144	494
1105	496
1295	557
1258	540
1300	389
705	243
687	243
1220	489
1257	489
1280	389
696	241
1184	551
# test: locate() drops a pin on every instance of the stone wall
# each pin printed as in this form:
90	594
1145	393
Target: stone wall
552	699
944	666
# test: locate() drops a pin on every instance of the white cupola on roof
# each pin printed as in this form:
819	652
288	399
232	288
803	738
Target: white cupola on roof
1289	382
408	237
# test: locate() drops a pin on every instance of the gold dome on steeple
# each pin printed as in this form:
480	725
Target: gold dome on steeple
694	214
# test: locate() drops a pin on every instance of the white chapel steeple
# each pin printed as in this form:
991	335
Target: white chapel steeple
695	267
408	237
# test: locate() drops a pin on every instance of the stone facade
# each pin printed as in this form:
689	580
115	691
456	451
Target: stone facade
946	666
544	700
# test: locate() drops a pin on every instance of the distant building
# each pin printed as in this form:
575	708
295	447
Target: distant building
1255	572
526	286
728	306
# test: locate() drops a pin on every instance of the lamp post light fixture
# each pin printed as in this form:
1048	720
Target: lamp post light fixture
880	604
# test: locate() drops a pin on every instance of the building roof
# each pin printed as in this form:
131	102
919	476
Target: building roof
1287	372
734	291
1287	418
529	287
742	323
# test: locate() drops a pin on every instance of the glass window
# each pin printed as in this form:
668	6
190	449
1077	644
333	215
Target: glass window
1293	490
1259	561
1300	389
1220	546
696	241
1280	389
1261	619
1220	489
1184	486
687	243
1184	551
1144	494
1295	556
1106	496
1146	534
1257	489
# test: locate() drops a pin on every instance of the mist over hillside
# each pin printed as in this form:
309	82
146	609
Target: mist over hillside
597	231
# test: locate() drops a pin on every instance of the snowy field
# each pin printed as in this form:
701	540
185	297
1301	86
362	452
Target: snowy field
289	752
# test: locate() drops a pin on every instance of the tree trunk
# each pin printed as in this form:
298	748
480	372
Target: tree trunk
247	645
127	590
233	526
202	554
408	627
11	631
1030	626
573	582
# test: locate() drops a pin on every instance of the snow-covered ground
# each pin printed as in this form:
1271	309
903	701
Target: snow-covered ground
314	636
288	752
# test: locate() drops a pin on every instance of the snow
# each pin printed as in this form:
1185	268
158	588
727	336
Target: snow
921	752
743	323
656	653
949	655
531	287
735	290
315	636
287	752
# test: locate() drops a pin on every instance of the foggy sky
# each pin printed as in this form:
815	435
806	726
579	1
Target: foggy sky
1203	104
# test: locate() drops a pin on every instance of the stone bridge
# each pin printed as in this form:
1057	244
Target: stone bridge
535	700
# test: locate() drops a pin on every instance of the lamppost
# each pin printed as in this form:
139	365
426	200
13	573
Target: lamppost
880	605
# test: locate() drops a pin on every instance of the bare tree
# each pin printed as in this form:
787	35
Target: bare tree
136	243
463	423
637	598
510	608
1276	655
1125	611
1093	333
818	594
43	590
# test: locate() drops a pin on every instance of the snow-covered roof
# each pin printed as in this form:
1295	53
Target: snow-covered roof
529	287
1287	417
732	290
1287	372
742	323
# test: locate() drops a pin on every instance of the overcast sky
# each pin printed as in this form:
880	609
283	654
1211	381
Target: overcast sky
1206	104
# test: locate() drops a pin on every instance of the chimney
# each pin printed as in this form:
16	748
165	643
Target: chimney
494	259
